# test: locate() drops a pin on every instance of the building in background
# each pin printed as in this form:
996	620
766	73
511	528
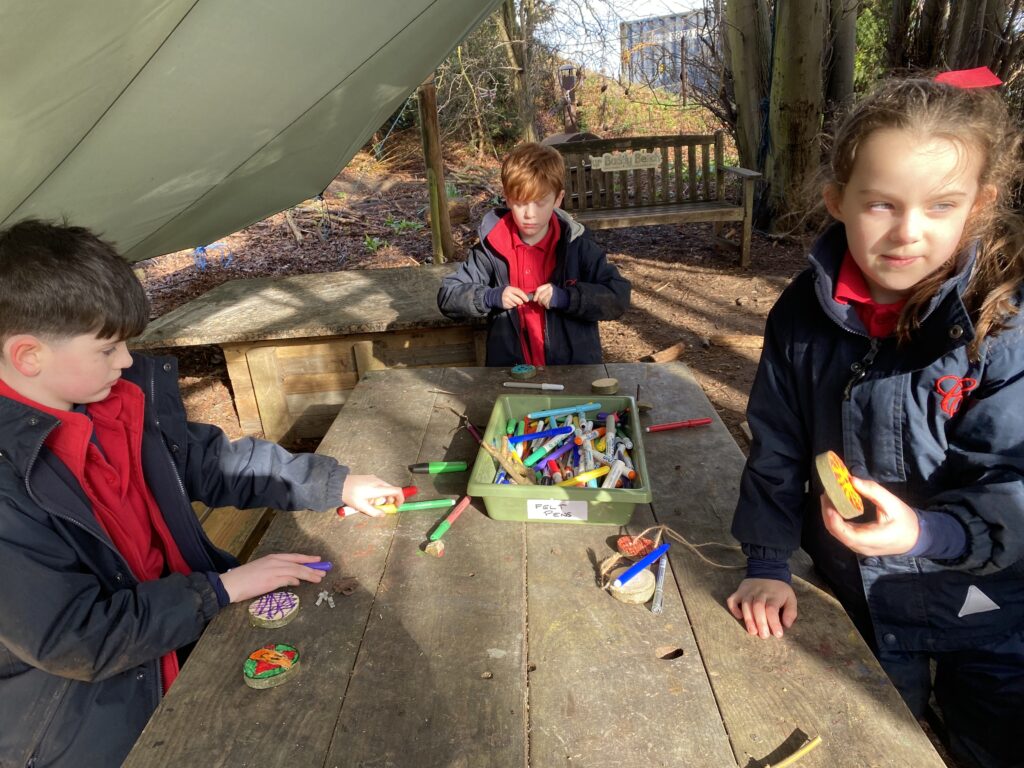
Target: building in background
666	52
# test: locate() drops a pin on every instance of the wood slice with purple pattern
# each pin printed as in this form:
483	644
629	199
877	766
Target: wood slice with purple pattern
274	609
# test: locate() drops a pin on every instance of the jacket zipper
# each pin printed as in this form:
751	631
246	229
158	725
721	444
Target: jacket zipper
104	542
861	367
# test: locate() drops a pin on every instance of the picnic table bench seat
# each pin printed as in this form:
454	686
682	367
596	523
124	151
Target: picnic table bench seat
645	180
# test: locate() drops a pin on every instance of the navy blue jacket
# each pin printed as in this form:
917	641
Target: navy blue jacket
80	638
823	384
596	292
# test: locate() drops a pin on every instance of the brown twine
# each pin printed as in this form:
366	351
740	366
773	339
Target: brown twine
612	562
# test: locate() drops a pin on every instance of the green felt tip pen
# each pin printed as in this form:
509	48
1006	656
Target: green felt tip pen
438	467
411	506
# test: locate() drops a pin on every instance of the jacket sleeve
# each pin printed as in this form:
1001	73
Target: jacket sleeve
462	292
601	293
254	473
983	473
768	517
57	616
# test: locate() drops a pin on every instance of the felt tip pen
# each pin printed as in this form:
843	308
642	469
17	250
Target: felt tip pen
474	432
678	425
438	467
658	604
640	565
407	491
583	477
567	411
412	506
445	524
539	435
531	385
322	565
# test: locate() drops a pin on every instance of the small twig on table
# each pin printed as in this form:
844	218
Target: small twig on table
806	748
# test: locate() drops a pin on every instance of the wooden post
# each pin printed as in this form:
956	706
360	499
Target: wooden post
440	224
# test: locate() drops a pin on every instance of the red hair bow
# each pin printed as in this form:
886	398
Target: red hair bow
980	77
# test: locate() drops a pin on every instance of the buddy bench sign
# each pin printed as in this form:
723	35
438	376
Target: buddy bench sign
626	161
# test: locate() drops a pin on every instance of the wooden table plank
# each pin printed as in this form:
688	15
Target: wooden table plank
821	678
293	725
440	679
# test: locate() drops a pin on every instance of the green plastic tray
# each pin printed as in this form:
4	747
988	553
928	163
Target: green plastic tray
548	503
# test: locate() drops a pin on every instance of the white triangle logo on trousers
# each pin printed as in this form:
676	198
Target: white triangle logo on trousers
976	602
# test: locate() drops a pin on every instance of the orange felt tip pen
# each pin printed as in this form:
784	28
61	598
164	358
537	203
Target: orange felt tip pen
678	425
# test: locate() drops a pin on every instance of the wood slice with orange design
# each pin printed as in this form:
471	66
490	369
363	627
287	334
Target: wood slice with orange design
270	665
835	478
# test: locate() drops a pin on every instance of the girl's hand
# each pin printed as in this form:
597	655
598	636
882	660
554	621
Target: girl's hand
268	573
364	492
894	532
765	606
512	297
542	295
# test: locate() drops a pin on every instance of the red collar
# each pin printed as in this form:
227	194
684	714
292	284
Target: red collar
852	288
504	237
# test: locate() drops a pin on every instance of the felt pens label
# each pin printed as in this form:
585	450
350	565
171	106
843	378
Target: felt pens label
556	509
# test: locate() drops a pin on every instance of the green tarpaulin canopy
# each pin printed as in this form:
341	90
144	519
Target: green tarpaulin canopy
165	124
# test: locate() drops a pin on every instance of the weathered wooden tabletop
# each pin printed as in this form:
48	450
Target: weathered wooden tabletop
305	306
505	652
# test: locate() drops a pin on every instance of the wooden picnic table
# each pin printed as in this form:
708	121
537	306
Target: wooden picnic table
295	346
505	652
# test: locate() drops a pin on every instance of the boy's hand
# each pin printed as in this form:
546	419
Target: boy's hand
512	297
363	492
765	606
894	532
543	295
268	573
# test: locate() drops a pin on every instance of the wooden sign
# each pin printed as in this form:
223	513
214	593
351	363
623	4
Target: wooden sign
626	161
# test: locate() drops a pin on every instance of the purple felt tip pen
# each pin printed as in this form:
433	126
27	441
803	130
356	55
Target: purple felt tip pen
322	565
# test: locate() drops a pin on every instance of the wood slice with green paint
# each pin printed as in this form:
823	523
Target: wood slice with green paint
270	665
835	478
274	609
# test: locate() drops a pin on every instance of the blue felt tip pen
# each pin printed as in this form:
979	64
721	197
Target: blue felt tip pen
322	565
640	565
582	408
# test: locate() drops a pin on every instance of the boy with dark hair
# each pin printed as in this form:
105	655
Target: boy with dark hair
106	570
540	281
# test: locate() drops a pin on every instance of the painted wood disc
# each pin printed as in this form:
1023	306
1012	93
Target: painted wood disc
604	386
835	478
634	548
270	665
637	590
523	372
274	609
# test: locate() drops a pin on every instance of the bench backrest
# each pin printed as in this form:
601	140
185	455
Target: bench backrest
641	171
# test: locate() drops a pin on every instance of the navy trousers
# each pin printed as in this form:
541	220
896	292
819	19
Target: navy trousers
980	693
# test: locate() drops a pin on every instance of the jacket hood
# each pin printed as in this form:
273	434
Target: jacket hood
569	224
827	254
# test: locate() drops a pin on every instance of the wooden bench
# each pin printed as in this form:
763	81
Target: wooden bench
237	531
295	346
643	180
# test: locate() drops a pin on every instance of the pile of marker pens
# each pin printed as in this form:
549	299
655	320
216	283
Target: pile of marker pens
577	446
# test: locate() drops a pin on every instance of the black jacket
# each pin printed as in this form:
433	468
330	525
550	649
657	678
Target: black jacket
823	384
80	638
596	292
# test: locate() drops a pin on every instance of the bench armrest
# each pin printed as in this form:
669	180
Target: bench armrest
742	172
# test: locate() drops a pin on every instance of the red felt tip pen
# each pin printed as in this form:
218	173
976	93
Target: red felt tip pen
678	424
407	491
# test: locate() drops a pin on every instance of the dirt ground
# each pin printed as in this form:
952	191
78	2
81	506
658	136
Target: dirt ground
374	215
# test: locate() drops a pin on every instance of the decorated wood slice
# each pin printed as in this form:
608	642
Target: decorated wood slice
636	591
274	609
270	665
634	548
835	478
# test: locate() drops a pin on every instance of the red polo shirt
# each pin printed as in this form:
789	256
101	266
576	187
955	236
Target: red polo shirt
852	288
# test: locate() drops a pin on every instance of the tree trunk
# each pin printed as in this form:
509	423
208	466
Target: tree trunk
843	35
794	115
928	40
899	25
957	25
514	29
747	44
991	31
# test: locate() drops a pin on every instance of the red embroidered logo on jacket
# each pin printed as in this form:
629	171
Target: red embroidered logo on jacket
952	388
